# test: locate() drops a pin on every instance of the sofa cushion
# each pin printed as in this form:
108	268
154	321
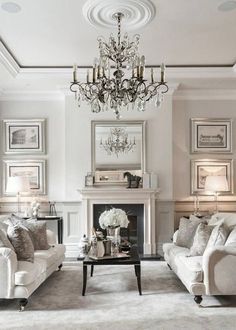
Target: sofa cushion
38	234
190	267
4	241
27	272
201	239
171	250
218	236
48	257
187	229
229	219
231	240
21	241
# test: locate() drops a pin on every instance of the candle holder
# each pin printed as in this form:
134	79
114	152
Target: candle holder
196	206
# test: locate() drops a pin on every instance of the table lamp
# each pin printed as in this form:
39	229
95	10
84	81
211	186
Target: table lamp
17	185
216	184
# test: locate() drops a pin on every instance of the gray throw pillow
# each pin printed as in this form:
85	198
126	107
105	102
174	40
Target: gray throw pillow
187	229
13	220
38	233
201	239
4	241
218	236
22	243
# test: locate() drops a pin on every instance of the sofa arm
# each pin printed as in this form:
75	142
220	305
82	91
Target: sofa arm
8	267
219	264
51	237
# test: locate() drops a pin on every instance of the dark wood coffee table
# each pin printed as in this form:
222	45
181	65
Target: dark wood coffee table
132	259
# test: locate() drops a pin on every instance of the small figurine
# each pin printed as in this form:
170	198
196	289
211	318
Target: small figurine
133	180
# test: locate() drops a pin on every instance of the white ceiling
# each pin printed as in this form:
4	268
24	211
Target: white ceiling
54	33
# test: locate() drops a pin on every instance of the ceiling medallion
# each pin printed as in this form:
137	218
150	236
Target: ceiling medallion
137	14
118	77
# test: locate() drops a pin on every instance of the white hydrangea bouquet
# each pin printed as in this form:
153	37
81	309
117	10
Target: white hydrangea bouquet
113	218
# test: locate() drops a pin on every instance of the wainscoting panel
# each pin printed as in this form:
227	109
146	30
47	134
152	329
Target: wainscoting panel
165	223
73	228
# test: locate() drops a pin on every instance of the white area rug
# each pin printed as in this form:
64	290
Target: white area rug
112	302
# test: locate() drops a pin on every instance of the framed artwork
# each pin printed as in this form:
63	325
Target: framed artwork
202	168
33	169
24	136
211	135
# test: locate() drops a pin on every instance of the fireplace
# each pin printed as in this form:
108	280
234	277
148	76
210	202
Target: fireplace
141	199
135	212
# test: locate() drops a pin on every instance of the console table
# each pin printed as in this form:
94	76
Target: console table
59	225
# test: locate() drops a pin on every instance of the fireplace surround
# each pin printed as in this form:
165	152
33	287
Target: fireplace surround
121	196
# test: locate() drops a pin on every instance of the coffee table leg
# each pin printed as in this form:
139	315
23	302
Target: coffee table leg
137	269
91	274
84	279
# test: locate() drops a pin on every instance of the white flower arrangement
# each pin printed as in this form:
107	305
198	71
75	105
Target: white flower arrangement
113	218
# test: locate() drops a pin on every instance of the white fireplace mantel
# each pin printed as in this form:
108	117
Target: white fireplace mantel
120	195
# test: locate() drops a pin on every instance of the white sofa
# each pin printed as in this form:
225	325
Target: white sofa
210	274
19	279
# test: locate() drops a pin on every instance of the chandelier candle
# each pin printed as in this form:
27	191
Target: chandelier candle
127	84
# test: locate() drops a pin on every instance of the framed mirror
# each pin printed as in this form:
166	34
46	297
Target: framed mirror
117	147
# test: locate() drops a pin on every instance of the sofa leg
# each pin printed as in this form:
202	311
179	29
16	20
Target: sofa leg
59	267
23	303
169	266
198	299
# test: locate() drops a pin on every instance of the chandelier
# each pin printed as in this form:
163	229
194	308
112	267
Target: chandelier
117	142
104	90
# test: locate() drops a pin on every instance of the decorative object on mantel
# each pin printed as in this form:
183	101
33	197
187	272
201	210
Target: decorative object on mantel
153	180
146	181
117	142
133	180
125	87
216	184
89	179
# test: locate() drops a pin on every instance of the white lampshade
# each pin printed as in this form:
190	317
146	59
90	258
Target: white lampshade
17	184
216	183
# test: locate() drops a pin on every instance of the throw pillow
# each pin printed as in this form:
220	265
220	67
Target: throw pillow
38	233
3	227
13	220
200	241
187	229
231	240
22	243
218	236
4	241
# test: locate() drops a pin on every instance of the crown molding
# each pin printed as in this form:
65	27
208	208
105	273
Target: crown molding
205	94
8	61
21	95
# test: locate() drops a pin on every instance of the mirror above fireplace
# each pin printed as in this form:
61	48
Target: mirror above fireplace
117	147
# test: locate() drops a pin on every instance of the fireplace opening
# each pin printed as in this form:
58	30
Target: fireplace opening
134	233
